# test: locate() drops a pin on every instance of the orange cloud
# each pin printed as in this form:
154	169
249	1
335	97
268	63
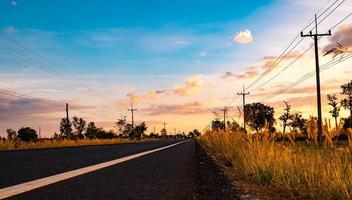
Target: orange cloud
195	107
269	60
249	73
243	37
192	84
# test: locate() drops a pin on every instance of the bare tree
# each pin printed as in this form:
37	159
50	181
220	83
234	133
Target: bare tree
286	116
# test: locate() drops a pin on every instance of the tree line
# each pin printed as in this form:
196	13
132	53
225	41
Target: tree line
78	128
259	115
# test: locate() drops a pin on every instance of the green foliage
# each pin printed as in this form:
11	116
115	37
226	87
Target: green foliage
257	114
27	134
65	128
265	176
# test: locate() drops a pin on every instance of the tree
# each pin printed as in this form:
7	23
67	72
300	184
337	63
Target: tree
347	91
11	134
163	132
335	108
298	122
286	116
217	125
194	133
102	134
27	134
257	114
139	130
120	124
80	126
91	131
65	128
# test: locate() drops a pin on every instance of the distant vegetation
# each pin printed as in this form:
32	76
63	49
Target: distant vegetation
290	161
294	126
78	133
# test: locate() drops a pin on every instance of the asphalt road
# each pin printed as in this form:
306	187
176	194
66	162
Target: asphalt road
166	174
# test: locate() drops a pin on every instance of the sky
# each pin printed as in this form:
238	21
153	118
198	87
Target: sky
175	61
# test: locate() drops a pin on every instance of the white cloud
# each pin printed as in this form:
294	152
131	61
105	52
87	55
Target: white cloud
202	54
14	3
243	37
182	42
10	29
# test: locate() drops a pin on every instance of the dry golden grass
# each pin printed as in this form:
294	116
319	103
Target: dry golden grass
12	145
303	172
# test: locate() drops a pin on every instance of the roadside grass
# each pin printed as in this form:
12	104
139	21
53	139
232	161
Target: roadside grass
298	171
52	143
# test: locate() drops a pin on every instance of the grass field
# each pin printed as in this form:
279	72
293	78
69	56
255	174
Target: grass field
12	145
282	170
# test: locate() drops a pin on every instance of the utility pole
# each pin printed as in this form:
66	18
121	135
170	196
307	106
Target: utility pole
244	94
154	130
132	111
67	112
164	125
39	132
317	69
225	109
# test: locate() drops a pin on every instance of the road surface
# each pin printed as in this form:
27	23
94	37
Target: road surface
164	174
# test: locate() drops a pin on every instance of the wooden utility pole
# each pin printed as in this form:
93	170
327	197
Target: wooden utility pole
164	125
244	94
132	111
317	72
40	132
225	109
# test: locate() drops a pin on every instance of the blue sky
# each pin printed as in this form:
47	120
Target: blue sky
66	15
169	57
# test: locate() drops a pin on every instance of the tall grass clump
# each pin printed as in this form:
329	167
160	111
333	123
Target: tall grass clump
303	171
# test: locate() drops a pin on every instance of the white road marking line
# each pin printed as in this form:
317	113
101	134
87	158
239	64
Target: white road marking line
31	185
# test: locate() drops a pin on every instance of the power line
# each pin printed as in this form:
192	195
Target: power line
284	53
26	96
42	66
307	76
44	58
301	55
39	65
